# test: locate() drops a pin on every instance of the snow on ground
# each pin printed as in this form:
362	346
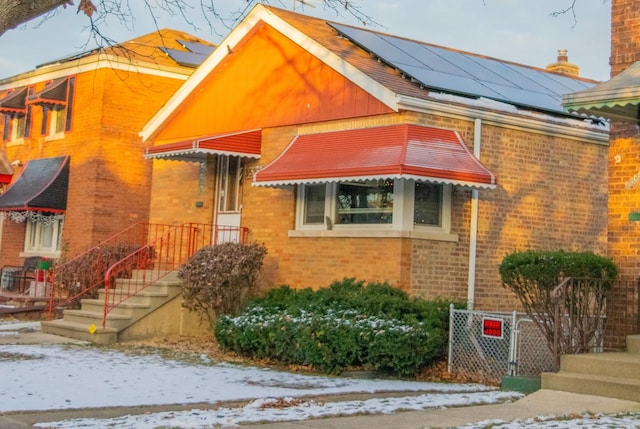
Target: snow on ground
54	377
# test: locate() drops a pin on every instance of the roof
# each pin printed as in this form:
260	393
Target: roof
617	98
244	144
162	47
389	67
389	152
42	186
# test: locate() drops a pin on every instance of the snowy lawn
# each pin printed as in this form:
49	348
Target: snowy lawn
55	377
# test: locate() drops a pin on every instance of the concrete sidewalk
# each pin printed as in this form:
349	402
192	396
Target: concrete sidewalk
540	403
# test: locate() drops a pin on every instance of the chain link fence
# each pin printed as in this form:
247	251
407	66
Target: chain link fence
485	346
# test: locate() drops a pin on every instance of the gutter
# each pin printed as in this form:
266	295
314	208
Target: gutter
473	227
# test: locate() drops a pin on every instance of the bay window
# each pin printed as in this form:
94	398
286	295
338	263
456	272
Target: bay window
395	205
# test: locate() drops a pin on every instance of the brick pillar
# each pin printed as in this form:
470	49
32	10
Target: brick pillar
624	181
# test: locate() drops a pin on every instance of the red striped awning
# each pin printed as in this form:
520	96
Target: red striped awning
244	143
389	152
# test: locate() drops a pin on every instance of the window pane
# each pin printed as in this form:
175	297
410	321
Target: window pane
314	199
46	236
369	202
233	184
427	205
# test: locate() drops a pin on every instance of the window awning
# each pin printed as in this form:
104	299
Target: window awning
616	99
244	143
42	186
54	93
14	102
390	152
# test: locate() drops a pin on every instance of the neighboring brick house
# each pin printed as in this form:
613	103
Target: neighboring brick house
70	131
619	101
352	153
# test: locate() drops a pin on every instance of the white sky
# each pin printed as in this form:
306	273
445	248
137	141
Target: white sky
516	30
55	377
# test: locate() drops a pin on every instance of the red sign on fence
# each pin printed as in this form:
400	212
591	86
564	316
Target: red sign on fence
492	327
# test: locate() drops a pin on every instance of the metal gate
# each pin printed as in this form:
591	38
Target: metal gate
486	346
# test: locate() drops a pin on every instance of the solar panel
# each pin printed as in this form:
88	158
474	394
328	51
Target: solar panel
197	48
467	74
184	58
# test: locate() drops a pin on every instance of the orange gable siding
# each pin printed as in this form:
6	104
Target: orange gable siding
268	81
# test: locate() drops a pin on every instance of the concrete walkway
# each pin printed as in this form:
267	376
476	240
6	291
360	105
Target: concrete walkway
540	403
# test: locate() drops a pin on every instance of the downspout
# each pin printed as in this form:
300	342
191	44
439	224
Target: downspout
473	227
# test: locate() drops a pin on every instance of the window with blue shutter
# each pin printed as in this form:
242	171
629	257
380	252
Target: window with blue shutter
7	125
70	91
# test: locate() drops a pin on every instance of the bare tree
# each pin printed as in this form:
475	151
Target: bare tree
14	13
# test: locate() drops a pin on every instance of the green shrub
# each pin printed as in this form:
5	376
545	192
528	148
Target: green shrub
564	293
219	279
348	324
548	268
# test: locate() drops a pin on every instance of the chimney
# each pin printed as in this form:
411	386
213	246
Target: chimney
563	66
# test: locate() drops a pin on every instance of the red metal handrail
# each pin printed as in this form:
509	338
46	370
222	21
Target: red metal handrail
164	252
83	275
151	249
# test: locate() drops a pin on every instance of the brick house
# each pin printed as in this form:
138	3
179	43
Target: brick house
69	135
352	153
617	100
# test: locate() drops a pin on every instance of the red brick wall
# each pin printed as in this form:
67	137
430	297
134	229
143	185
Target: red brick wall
624	186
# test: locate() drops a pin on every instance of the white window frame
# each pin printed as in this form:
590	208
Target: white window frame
34	234
18	124
56	115
401	226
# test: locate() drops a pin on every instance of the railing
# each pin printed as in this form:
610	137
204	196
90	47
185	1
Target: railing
150	251
164	253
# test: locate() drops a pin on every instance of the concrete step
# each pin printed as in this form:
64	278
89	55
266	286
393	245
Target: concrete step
87	318
610	364
79	331
592	384
126	308
633	344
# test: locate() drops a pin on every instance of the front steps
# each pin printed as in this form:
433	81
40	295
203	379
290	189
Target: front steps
86	323
611	374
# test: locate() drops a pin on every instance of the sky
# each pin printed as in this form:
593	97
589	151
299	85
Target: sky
521	31
73	375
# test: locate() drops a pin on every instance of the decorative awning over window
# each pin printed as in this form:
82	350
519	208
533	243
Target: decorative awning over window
244	144
42	186
616	99
390	152
55	93
14	102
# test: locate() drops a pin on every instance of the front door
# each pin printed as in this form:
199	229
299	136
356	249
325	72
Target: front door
228	198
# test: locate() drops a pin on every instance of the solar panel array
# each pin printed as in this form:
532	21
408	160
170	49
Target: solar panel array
451	71
196	54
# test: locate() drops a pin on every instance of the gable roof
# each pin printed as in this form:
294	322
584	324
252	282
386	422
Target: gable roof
389	67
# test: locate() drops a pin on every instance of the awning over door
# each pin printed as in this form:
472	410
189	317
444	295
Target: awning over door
54	93
243	143
14	102
42	186
390	152
616	99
